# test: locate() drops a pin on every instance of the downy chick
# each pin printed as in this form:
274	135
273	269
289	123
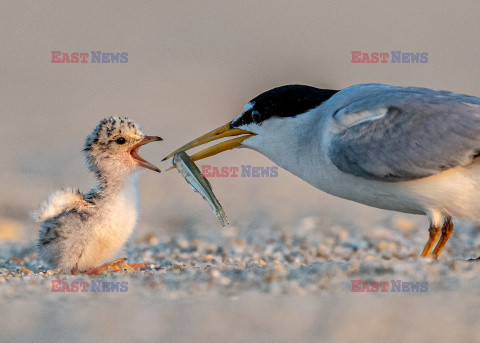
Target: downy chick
79	231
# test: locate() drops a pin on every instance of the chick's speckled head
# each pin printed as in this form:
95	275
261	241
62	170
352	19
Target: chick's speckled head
112	148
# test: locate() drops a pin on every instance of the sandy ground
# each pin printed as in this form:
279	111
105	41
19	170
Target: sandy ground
263	285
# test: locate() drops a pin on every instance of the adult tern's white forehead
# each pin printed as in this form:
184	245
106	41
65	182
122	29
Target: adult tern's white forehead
246	108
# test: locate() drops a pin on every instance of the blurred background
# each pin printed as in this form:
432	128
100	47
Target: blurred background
191	67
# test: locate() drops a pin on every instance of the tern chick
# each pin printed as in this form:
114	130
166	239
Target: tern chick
79	231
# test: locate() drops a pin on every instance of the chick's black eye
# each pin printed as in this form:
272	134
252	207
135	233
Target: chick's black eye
120	140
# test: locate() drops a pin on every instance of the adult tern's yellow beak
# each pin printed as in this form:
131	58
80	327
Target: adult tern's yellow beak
221	132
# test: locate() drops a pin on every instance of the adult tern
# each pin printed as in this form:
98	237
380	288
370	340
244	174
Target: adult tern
407	149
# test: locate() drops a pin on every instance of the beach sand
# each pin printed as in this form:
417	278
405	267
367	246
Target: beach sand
262	285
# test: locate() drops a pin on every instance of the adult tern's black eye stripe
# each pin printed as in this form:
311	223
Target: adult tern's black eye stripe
120	140
256	117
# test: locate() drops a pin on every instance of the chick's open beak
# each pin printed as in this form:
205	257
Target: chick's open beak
140	161
221	132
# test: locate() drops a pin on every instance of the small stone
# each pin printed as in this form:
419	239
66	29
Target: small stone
343	235
49	273
309	223
370	258
386	246
279	268
16	259
207	258
152	239
225	281
404	224
25	270
183	243
381	232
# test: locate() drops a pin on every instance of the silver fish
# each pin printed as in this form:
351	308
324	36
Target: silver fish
199	184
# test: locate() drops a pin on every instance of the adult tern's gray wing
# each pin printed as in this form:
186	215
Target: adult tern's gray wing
392	133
